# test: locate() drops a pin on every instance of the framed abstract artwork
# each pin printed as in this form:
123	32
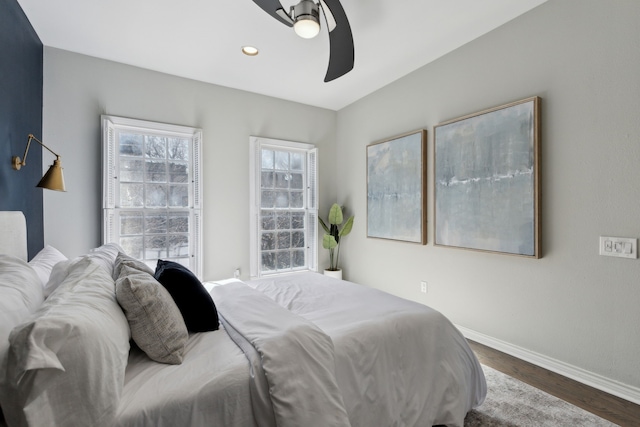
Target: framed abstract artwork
396	188
486	180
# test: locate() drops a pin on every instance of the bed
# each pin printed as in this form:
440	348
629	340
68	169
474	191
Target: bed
293	350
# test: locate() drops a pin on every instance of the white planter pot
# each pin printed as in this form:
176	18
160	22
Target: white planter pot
335	274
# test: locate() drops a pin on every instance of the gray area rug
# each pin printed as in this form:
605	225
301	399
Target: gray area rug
512	403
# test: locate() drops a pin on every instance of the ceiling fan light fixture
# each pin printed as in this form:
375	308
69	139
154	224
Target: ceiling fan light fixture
307	28
306	17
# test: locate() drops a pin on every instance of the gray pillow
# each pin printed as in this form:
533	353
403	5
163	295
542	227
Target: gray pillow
123	259
157	326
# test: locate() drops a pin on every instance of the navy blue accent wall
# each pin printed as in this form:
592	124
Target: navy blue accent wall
21	114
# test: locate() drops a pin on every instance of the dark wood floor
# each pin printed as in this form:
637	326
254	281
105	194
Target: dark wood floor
604	405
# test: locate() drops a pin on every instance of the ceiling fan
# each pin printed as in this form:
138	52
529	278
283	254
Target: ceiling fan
304	18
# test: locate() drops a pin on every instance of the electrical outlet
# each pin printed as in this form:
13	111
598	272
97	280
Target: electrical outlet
619	247
424	287
236	273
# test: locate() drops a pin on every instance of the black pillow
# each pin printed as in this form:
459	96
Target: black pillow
193	300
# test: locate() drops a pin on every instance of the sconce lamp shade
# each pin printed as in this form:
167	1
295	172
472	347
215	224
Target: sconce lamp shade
53	179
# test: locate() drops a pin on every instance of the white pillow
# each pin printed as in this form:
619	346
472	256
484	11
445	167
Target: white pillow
44	261
59	272
105	255
66	364
20	296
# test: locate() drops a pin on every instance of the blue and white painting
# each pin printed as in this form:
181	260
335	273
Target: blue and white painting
485	181
395	188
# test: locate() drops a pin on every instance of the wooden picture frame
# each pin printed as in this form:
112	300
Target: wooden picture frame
396	188
487	182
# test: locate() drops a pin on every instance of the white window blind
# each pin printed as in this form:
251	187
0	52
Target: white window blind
152	190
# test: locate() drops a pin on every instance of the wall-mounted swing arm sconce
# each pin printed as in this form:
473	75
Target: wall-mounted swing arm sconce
53	179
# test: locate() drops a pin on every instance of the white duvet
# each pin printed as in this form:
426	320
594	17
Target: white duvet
397	363
292	360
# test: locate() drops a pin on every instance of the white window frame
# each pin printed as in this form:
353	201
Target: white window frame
111	125
310	204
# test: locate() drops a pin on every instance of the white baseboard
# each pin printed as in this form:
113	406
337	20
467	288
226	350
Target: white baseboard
624	391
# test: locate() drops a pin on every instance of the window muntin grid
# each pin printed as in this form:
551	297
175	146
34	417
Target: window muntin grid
150	235
282	210
154	177
154	171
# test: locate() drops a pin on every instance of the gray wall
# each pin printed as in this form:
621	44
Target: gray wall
78	89
573	306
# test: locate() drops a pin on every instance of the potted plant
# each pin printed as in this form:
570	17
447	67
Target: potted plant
333	234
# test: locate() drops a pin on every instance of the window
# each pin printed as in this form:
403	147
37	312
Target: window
284	215
151	184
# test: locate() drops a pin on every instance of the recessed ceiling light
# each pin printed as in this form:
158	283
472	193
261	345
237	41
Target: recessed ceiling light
250	50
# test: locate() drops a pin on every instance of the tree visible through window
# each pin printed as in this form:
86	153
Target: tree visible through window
284	213
151	190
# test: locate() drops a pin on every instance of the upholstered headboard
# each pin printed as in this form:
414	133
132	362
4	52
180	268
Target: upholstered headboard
13	234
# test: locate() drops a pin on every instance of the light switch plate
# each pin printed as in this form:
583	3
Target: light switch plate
622	247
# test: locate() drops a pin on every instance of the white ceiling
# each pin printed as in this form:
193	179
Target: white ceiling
201	40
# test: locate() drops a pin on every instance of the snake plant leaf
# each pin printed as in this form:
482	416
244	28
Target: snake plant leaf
324	226
329	242
335	214
347	227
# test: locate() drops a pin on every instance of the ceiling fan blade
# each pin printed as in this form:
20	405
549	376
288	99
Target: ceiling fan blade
328	16
275	9
341	52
